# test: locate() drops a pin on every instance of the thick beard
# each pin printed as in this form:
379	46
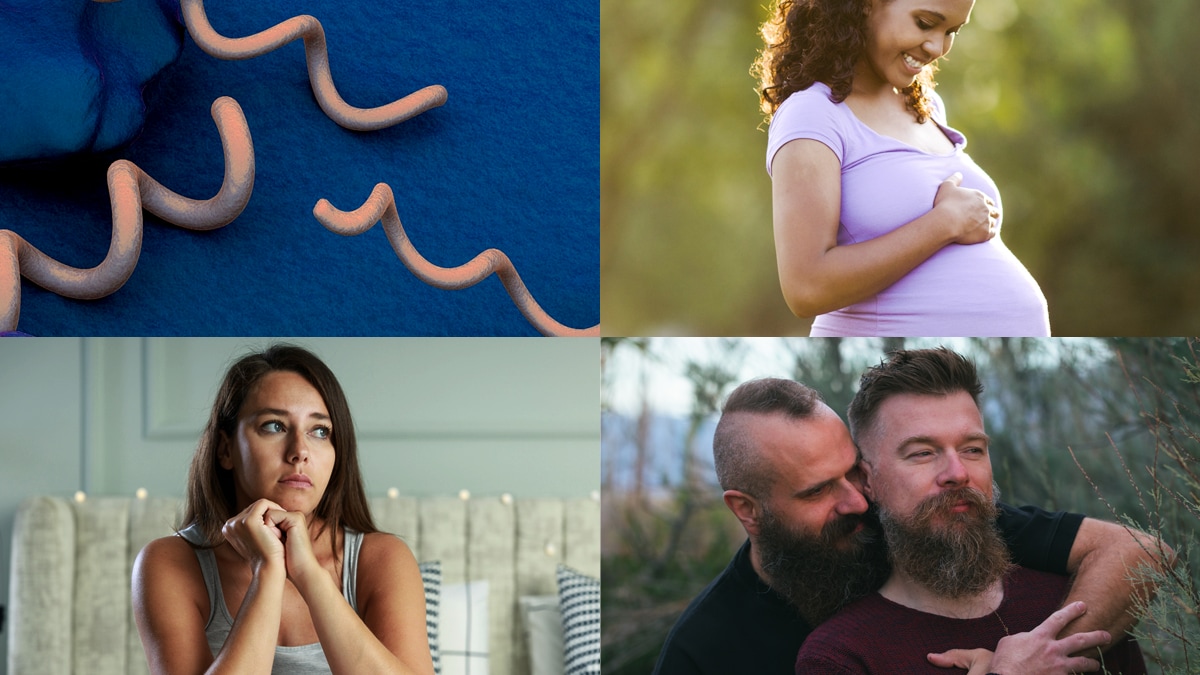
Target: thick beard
953	555
821	574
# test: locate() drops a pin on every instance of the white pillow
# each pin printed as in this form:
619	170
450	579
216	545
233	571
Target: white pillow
431	578
579	598
542	627
463	629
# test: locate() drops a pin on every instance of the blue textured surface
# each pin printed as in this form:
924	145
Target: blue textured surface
73	72
511	162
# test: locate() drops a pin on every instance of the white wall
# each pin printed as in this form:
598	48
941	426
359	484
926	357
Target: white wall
434	416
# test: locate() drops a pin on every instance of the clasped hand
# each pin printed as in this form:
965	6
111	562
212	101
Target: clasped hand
1038	652
974	217
267	535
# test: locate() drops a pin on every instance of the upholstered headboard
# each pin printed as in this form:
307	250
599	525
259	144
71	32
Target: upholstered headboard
72	562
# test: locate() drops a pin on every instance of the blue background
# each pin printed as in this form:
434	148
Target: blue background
511	161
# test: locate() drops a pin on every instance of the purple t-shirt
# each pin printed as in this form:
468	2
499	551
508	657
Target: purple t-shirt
962	290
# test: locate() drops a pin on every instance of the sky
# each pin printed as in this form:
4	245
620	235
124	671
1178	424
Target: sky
669	389
662	368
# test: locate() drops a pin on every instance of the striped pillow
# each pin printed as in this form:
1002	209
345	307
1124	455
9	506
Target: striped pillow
579	599
431	577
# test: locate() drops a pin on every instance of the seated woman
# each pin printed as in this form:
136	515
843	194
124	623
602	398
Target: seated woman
279	567
884	226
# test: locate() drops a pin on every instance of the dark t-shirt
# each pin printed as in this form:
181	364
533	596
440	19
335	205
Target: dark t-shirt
875	636
739	625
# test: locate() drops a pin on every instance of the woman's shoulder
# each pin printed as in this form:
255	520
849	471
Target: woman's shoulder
382	550
811	114
170	550
387	571
818	97
167	568
169	557
171	604
383	556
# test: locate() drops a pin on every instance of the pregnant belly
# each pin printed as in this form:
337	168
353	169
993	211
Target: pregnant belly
980	290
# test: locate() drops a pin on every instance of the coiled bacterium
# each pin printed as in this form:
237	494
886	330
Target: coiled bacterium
130	191
317	56
381	206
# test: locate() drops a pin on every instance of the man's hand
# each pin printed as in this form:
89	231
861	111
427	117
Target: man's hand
976	661
1037	652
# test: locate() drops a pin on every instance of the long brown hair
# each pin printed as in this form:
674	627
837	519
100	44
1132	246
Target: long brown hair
810	41
211	499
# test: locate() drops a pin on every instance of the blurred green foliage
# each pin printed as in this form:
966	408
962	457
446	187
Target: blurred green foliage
1105	427
1082	111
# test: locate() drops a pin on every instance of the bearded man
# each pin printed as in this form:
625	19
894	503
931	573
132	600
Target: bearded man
926	466
788	468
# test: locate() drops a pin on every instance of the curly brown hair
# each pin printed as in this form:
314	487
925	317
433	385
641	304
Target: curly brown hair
810	41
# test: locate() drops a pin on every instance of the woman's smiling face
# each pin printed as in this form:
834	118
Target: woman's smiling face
905	36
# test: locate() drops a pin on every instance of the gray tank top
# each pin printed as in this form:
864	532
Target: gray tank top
299	660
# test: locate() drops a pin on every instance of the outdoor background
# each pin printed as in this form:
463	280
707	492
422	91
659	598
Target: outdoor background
1129	410
1082	111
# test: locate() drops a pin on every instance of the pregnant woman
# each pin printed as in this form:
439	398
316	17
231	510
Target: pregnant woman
883	224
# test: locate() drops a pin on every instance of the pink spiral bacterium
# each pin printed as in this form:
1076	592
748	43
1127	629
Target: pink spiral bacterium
308	28
130	190
381	206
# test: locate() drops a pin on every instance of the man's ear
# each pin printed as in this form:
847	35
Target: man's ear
745	508
224	451
865	475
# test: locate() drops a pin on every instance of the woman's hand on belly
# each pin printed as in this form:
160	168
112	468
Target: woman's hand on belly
972	216
819	275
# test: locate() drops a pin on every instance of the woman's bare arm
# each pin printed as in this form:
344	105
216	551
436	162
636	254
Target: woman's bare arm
170	605
815	273
390	636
